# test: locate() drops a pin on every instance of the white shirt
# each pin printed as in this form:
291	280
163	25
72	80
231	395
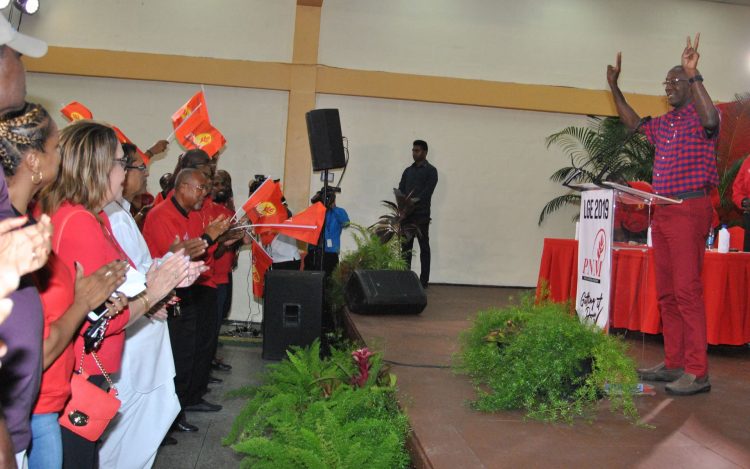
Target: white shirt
147	360
284	249
126	231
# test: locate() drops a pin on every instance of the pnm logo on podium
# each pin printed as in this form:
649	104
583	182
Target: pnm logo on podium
593	262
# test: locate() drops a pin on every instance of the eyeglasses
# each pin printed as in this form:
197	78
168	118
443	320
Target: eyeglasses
123	162
674	81
140	167
199	187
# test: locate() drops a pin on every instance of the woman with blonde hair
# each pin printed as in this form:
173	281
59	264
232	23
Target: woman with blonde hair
92	172
31	160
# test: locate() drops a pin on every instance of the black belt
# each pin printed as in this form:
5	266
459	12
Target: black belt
690	195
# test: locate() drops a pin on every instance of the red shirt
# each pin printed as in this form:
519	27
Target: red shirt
80	237
160	198
167	221
741	185
223	265
56	289
684	159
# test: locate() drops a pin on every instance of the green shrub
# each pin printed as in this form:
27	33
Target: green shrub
309	415
542	359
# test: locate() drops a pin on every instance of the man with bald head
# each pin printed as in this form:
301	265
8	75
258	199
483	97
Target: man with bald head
684	168
177	221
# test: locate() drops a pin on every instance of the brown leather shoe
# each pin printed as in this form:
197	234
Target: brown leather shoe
689	384
660	372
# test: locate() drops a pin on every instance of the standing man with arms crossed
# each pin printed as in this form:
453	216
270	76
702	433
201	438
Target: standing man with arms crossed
419	181
684	168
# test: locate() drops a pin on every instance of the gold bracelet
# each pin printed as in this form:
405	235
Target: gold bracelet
146	303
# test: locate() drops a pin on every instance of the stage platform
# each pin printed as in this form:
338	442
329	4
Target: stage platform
705	431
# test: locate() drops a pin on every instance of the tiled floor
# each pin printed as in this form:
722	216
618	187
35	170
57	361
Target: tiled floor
203	449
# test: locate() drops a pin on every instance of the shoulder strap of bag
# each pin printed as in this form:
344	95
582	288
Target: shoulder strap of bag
101	368
61	228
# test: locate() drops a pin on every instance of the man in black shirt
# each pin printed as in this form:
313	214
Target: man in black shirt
419	181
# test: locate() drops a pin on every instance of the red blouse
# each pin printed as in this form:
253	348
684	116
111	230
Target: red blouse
80	237
57	291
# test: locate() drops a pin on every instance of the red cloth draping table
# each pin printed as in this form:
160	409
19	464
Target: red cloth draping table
633	305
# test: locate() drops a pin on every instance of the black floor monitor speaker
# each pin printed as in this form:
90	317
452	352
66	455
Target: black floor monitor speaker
326	142
292	305
385	292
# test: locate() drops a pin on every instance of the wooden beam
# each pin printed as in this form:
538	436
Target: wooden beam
331	80
310	3
302	92
161	67
447	90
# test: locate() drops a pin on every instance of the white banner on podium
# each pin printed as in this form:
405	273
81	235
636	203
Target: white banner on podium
595	256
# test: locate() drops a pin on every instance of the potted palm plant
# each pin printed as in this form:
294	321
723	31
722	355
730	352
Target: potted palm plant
604	145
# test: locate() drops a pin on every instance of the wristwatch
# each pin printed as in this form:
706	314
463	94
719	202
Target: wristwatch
698	77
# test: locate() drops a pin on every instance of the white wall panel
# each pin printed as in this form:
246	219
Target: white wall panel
228	29
552	42
493	171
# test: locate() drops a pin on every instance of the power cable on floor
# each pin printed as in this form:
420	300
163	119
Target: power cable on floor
415	365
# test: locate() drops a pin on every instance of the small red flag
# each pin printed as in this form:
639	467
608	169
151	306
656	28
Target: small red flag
195	105
264	205
261	262
313	217
196	132
76	111
122	138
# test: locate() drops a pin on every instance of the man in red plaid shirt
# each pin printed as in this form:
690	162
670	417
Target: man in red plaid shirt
684	168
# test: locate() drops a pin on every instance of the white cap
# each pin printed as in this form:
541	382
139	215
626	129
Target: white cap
22	43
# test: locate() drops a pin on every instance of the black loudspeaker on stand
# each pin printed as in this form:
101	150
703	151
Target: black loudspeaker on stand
292	306
326	142
385	292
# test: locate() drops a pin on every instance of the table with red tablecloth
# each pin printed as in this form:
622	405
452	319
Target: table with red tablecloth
633	304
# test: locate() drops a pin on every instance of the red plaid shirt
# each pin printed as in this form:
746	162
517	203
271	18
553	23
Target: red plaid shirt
685	158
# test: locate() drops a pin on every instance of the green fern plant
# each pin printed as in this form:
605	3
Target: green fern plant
308	415
548	363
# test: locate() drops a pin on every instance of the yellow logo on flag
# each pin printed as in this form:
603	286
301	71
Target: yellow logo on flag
186	112
265	209
203	139
256	275
76	116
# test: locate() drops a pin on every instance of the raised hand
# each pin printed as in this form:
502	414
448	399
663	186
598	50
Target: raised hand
116	304
166	276
690	55
194	247
24	249
613	72
218	226
158	147
93	290
195	269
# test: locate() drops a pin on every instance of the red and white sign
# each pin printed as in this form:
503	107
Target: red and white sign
595	256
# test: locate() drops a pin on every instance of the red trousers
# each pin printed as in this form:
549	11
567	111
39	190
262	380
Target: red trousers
679	236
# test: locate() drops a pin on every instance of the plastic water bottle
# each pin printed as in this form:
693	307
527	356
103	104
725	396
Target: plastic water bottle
710	239
723	245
